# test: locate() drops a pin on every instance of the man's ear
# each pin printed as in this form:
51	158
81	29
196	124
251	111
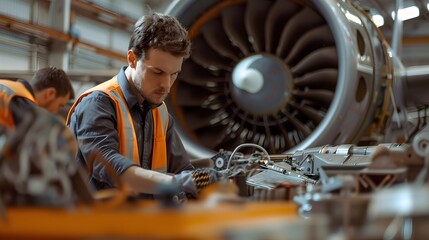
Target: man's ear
50	93
132	59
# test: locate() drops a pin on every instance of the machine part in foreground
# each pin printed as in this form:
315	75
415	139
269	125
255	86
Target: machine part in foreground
37	165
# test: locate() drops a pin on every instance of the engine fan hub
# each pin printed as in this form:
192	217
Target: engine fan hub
261	84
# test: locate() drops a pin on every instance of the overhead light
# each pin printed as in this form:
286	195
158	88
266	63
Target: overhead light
427	6
407	13
378	20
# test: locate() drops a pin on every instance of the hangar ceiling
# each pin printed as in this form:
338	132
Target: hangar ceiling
385	8
415	31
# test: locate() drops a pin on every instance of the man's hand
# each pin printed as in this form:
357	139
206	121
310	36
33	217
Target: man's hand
192	181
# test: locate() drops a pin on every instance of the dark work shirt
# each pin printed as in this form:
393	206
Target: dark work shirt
94	123
20	107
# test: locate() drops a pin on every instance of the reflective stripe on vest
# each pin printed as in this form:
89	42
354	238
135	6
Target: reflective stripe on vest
126	129
160	120
8	90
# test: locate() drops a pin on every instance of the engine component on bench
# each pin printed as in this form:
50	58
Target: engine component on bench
368	167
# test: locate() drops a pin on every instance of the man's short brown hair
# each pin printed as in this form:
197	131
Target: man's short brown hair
52	77
162	32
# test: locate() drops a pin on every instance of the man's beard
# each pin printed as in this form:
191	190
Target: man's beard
149	100
47	105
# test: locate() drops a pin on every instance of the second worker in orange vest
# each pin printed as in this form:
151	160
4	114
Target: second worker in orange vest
50	89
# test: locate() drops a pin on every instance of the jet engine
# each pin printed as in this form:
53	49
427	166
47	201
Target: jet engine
283	74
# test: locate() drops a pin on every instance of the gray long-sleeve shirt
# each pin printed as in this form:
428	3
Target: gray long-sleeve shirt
94	123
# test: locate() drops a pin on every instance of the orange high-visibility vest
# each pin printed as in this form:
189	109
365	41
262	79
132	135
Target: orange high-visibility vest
8	90
127	136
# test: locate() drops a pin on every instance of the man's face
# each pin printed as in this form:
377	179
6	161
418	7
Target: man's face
49	101
154	76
